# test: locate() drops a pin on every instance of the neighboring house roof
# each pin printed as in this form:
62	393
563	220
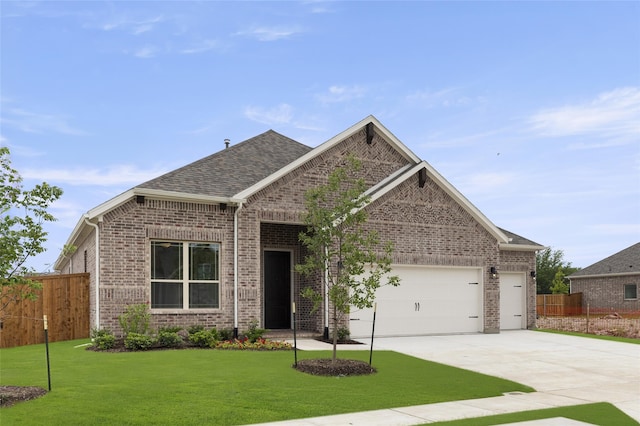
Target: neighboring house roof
233	169
625	262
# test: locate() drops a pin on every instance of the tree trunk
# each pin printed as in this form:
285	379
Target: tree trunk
335	334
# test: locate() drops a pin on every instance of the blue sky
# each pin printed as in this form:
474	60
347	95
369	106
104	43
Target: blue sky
530	109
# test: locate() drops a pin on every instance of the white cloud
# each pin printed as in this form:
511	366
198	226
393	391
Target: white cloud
203	46
133	26
450	97
145	52
115	175
488	182
270	33
341	94
281	114
623	229
613	115
32	122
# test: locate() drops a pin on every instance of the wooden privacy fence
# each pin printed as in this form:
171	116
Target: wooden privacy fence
559	304
64	299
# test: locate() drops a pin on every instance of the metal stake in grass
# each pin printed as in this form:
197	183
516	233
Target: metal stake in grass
373	329
295	345
46	342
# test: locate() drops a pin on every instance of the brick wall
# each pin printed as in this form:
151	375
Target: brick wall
425	224
125	235
606	293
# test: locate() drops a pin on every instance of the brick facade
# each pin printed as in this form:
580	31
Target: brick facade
606	293
426	225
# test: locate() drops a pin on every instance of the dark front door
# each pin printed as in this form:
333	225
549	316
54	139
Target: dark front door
277	289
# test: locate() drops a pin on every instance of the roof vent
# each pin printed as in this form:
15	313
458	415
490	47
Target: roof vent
226	143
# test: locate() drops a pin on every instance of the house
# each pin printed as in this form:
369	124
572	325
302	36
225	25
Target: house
612	283
215	243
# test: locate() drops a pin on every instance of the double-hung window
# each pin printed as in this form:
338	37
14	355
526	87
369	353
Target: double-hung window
630	292
185	275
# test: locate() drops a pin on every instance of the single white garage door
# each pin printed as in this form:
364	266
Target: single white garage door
512	301
428	300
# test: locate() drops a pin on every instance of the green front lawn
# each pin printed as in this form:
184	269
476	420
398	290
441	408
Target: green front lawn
592	336
199	386
602	413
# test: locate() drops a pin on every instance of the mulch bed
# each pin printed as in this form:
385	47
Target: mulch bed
339	368
10	395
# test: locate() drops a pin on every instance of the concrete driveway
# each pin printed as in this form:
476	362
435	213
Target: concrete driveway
564	370
578	368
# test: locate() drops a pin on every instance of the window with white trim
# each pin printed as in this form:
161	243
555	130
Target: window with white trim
175	287
630	291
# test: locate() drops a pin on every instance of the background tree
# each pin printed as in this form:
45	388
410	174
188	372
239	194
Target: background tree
22	235
548	263
340	247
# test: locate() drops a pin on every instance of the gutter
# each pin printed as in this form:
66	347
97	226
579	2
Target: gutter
97	273
235	269
606	275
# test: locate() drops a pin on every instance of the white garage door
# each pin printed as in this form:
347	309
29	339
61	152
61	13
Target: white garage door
512	301
428	301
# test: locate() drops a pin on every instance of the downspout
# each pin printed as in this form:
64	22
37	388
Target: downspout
326	295
97	273
235	270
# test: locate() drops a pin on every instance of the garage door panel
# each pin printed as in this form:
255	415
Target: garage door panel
428	301
512	301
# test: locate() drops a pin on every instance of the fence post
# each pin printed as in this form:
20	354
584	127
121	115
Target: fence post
587	318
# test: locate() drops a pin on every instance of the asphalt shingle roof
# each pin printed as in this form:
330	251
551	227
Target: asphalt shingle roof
233	169
625	261
517	239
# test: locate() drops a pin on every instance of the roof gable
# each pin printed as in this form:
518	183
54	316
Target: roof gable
624	262
386	186
376	127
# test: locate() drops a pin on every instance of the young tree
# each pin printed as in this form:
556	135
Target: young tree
558	285
341	248
22	235
548	263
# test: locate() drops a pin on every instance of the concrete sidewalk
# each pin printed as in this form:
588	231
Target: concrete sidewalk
565	370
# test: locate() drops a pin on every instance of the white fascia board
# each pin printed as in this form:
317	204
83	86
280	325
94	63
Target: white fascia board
520	247
72	238
449	189
618	274
97	212
406	152
158	194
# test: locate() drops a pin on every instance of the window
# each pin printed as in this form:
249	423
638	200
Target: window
174	288
630	291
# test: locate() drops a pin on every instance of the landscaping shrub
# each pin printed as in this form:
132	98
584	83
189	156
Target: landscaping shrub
343	333
171	329
103	339
135	319
204	338
259	344
138	342
169	339
226	334
193	329
254	333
